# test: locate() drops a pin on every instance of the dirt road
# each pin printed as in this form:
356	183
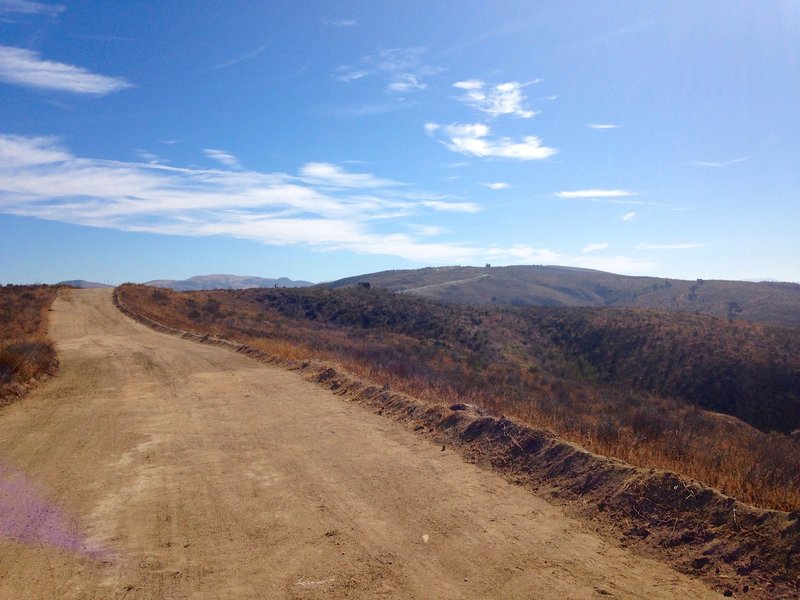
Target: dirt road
153	467
433	285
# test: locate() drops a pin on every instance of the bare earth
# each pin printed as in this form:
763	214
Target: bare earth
153	467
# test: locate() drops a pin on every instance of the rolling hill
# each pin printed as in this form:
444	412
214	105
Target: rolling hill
764	302
225	282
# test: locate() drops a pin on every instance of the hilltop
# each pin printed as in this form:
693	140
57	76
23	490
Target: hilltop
763	302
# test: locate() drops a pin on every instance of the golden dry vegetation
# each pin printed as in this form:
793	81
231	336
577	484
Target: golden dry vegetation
25	351
628	383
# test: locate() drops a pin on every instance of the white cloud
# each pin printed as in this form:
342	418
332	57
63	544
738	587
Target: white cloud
521	253
223	157
30	8
347	74
318	208
148	156
340	22
499	185
595	193
332	175
717	164
596	247
24	67
498	99
39	178
470	84
603	126
474	140
446	206
403	68
628	216
405	82
669	246
427	230
17	150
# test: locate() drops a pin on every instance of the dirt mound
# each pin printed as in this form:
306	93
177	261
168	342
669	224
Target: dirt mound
742	550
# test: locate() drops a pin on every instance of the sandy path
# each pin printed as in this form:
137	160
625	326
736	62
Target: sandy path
153	467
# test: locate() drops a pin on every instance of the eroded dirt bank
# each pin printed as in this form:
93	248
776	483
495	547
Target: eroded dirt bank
153	467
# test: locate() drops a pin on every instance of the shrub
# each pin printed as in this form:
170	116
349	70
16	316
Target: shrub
25	353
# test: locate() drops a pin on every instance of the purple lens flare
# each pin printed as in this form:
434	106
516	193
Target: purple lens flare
27	516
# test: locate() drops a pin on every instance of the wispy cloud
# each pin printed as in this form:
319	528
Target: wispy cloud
241	57
602	126
596	247
688	246
594	193
21	151
628	216
340	22
24	67
716	164
427	230
324	207
27	7
475	140
496	99
450	206
405	82
403	68
223	157
148	156
326	174
499	185
348	74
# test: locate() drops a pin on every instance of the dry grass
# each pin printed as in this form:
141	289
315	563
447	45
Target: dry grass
500	360
25	352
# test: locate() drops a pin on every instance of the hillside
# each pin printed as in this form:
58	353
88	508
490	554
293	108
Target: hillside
26	353
763	302
549	367
225	282
749	371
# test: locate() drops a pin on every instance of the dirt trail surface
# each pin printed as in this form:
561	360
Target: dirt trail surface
433	285
154	467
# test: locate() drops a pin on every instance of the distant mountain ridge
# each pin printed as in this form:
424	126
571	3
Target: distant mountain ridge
530	285
225	282
82	283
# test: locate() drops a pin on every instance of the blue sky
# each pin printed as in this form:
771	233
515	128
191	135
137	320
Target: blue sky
316	140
